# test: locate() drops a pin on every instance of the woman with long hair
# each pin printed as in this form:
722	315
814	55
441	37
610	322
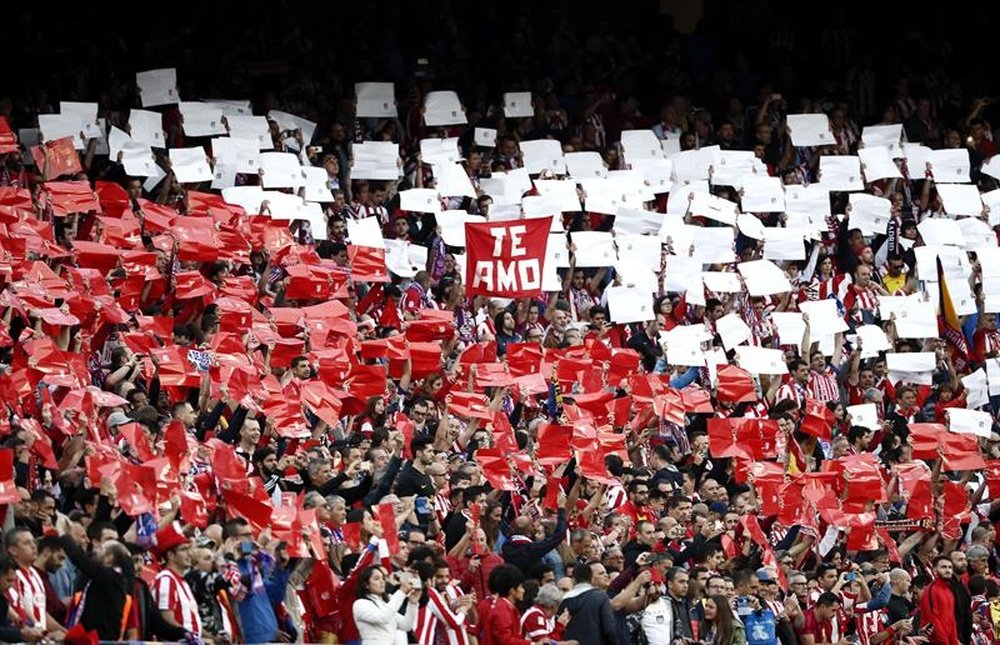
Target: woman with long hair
377	613
721	626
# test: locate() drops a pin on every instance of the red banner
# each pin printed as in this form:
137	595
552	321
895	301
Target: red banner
506	258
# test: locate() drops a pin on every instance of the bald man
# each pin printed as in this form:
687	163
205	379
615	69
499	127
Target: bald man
524	552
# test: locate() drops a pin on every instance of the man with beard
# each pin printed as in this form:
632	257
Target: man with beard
942	608
29	597
265	465
174	598
51	557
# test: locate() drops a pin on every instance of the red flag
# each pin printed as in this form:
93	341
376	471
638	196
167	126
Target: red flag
506	258
386	516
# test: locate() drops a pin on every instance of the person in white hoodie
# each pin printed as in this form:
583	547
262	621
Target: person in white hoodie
377	614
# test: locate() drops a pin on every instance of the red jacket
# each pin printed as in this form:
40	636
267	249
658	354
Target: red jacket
501	625
474	579
937	607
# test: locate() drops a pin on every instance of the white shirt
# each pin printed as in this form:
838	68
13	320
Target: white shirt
380	623
658	621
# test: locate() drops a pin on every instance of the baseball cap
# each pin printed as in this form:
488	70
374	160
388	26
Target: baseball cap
764	575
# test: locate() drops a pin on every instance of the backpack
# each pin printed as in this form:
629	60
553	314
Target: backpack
633	622
760	628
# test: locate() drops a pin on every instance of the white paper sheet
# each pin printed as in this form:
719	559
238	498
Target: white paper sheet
917	158
750	226
734	167
229	107
247	197
243	155
960	199
869	213
941	231
594	249
146	127
314	182
679	199
443	108
377	160
117	140
809	130
911	361
876	163
824	319
637	274
714	207
887	136
190	165
543	154
991	167
694	165
586	165
485	137
976	232
440	150
365	232
763	278
965	421
763	195
561	194
732	330
201	120
453	181
790	325
950	165
784	243
813	199
683	346
639	145
636	221
840	173
87	115
375	100
681	273
254	128
976	389
873	340
629	305
761	360
864	415
281	170
517	105
722	281
420	200
157	87
646	249
138	160
655	173
404	259
993	375
714	245
452	225
914	318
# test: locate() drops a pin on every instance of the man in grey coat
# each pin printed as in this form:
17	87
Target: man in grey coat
592	621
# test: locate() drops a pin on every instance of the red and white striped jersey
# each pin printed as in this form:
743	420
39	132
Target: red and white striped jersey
793	391
173	594
535	626
29	590
868	623
437	615
823	386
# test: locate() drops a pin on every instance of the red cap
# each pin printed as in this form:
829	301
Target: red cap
169	538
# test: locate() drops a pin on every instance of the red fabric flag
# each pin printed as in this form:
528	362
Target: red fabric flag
506	259
57	158
8	489
385	514
551	500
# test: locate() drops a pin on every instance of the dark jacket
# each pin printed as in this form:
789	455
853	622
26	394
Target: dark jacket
524	554
592	621
104	600
8	633
150	619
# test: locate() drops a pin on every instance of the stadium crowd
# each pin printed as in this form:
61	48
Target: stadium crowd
251	408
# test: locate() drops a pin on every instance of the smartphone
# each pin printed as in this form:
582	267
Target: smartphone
246	547
314	150
421	505
851	577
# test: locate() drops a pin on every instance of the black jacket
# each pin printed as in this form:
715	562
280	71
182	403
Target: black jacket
104	602
524	555
592	621
8	633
